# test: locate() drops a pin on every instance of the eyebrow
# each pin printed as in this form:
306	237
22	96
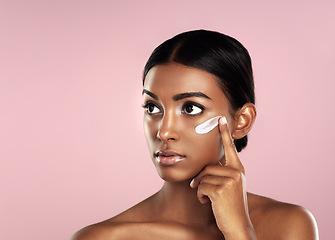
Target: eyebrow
190	94
154	96
179	96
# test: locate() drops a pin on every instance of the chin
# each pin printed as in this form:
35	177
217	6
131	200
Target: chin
176	174
173	179
171	175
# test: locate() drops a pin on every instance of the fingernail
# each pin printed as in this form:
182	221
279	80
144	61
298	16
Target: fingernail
192	182
223	120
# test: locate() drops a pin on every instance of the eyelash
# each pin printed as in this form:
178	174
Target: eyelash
193	104
148	104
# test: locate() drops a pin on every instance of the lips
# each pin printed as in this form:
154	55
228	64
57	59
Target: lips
168	157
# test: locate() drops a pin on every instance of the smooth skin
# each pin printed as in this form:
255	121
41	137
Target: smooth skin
204	196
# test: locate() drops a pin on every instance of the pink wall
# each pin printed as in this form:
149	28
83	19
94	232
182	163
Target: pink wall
71	76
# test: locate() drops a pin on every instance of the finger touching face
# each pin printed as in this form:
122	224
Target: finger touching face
231	156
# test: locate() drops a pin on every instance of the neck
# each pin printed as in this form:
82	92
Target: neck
180	203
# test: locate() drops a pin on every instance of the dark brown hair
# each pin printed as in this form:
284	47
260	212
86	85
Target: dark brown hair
216	53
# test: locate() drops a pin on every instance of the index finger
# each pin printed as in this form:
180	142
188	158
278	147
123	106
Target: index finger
230	153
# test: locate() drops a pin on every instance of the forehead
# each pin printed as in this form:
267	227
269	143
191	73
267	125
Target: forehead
174	78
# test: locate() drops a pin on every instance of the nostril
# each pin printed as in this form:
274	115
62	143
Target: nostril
166	136
167	130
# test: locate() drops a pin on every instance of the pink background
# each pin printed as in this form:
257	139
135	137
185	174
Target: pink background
72	149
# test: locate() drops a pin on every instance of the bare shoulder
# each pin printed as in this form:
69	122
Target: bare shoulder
278	220
137	231
118	226
98	231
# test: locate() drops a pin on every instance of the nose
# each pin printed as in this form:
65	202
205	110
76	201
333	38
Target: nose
168	128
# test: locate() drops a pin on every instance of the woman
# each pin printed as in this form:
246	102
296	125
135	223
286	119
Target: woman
194	77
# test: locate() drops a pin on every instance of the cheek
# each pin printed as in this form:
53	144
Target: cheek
150	130
206	148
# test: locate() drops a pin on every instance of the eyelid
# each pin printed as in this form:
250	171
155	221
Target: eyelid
146	104
194	104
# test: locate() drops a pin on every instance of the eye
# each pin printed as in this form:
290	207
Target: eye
192	108
151	108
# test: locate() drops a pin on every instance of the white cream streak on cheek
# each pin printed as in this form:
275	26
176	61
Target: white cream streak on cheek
207	126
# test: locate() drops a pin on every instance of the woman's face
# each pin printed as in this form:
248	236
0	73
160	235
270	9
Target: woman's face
176	100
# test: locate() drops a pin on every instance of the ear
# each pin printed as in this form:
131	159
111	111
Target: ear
244	119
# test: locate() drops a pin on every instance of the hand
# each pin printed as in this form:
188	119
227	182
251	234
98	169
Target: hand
224	187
